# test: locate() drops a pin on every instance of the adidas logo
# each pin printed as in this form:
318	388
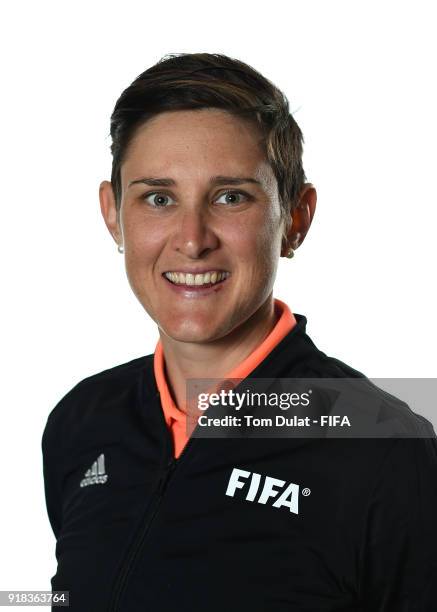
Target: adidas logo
96	473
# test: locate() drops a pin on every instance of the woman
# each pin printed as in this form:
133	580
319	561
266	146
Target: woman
207	192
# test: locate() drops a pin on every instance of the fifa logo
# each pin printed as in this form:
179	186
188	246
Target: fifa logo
249	483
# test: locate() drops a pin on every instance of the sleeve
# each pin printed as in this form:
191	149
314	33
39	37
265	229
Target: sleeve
52	489
399	553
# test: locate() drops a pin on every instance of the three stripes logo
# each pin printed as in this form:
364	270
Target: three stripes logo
96	474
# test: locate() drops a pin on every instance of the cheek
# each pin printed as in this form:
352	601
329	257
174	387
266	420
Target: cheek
257	249
273	232
143	240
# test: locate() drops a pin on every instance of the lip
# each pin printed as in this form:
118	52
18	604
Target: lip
196	291
194	270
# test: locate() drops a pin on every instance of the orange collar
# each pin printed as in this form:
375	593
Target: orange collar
283	326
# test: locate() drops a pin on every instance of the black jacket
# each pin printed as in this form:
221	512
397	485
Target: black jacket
138	530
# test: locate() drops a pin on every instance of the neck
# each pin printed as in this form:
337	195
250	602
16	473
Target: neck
215	359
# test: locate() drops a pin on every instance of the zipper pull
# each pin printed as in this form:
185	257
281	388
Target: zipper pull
166	476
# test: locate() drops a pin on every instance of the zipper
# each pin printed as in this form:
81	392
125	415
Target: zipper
147	521
172	463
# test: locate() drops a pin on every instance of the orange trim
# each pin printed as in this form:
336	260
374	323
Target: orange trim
176	418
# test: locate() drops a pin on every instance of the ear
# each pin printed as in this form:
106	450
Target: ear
301	218
109	211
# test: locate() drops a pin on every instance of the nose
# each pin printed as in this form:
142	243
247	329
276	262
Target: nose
194	235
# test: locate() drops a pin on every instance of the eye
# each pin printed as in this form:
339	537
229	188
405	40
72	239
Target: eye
157	199
233	197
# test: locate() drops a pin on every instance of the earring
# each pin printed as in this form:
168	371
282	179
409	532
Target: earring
290	253
120	248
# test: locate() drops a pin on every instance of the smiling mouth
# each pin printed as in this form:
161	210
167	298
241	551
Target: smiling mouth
196	281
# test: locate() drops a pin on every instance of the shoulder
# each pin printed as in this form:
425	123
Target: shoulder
109	387
367	398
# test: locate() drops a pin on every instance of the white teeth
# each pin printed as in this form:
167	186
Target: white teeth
180	278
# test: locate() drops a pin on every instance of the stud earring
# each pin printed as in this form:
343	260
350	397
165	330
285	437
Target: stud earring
120	248
290	253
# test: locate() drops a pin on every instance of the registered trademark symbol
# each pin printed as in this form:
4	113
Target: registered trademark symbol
306	492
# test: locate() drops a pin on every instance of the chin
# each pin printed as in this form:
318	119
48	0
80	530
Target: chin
189	331
189	336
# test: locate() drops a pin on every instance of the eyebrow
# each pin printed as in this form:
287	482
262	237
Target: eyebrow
214	180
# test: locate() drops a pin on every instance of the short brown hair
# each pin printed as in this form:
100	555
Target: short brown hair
210	80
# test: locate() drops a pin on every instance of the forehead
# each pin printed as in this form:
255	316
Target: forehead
196	141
